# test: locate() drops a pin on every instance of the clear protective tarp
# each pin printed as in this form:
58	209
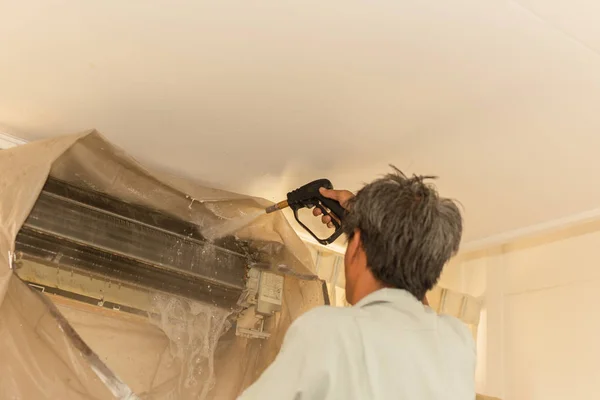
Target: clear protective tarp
61	349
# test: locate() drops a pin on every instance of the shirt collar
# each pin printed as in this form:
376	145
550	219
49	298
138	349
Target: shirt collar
397	297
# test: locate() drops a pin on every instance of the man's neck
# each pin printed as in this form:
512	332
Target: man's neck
361	294
365	286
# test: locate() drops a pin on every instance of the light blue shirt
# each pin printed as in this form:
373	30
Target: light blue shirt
388	346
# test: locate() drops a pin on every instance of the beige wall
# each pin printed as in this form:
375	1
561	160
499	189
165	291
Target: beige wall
538	331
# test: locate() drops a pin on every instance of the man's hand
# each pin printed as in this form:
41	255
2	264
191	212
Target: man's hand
341	196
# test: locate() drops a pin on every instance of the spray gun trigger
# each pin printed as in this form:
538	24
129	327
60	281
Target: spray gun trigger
311	204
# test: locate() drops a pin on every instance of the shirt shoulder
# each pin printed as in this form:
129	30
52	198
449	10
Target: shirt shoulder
322	324
316	338
457	330
307	363
328	317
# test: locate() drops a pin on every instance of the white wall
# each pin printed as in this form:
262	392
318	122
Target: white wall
245	94
539	328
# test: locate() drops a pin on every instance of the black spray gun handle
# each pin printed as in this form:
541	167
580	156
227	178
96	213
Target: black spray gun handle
309	196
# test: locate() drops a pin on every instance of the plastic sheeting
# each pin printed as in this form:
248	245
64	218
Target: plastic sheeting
43	357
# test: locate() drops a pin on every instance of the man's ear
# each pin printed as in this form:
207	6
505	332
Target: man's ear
354	245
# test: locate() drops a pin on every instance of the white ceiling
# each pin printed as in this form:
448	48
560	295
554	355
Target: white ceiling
499	98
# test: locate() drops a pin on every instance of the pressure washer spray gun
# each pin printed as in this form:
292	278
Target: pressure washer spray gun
308	196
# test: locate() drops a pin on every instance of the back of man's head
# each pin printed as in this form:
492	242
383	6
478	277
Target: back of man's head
407	231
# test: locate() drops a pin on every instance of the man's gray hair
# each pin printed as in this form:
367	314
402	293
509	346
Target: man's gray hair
407	231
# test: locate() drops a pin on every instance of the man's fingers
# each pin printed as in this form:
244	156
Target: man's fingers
341	196
330	194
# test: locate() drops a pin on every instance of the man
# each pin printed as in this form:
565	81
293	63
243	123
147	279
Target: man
389	345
